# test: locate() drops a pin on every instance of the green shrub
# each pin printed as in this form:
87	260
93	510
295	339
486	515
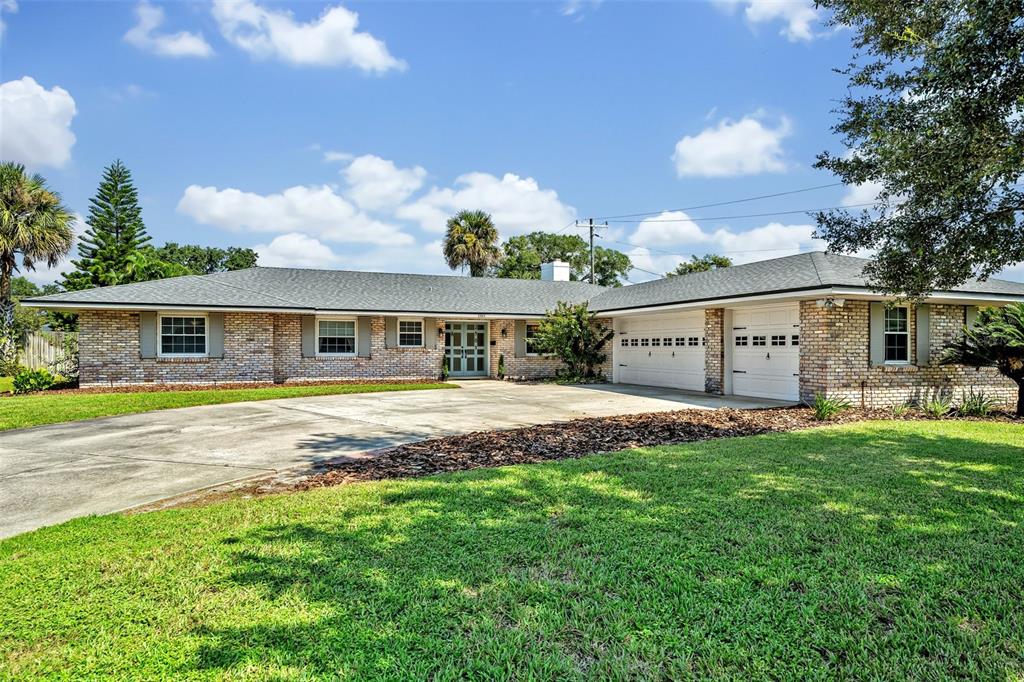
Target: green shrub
900	410
501	366
572	333
31	380
938	407
444	368
977	404
825	407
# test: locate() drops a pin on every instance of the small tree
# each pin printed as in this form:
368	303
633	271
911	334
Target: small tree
996	340
571	333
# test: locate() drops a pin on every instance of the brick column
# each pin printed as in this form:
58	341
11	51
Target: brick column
714	350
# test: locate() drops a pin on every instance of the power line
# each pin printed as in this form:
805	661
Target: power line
746	215
723	203
682	255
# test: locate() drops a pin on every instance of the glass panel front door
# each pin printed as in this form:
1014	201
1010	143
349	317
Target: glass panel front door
465	346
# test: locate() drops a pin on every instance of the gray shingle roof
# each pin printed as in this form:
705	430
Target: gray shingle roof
290	289
341	290
791	273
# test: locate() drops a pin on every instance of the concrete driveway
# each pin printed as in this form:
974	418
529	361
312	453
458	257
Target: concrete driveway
54	473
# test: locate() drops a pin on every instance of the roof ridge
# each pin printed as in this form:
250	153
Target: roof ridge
422	275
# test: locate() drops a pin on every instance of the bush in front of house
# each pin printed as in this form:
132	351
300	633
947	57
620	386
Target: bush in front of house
826	407
572	333
977	404
32	380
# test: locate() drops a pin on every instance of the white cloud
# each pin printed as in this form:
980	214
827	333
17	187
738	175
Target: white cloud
577	8
376	183
331	40
10	7
145	37
1014	273
337	157
669	238
744	147
798	17
315	211
36	126
295	250
517	204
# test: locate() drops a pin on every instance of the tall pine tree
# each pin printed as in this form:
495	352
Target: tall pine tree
115	234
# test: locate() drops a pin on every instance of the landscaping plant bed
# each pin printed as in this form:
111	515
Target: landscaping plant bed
579	438
227	386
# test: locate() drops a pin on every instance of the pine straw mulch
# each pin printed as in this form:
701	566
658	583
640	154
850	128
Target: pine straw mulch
578	438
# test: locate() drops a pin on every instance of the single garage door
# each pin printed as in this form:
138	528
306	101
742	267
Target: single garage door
663	350
766	352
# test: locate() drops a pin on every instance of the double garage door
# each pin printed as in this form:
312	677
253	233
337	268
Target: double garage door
763	349
665	350
765	346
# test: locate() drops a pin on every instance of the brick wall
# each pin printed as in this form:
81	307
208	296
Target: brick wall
531	366
714	350
109	352
835	360
383	363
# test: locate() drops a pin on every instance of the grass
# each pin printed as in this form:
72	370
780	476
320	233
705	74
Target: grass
6	384
18	412
872	551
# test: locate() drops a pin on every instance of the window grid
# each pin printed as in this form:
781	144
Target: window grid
794	340
336	337
656	341
778	339
680	341
741	340
182	335
531	339
410	333
758	340
896	335
693	341
645	342
634	342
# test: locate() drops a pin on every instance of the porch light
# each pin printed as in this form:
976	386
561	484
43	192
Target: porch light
504	332
830	303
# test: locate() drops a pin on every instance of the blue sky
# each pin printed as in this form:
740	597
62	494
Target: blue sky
341	135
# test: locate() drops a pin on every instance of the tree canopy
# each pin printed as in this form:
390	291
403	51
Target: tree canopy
471	241
934	119
524	254
116	231
205	260
710	261
35	227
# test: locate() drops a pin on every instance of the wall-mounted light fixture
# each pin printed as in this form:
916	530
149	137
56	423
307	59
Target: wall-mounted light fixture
504	332
830	303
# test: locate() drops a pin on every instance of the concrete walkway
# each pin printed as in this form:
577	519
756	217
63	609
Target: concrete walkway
50	474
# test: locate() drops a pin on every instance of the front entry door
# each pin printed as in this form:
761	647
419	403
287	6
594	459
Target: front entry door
465	346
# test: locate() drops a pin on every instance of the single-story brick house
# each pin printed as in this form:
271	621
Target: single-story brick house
785	328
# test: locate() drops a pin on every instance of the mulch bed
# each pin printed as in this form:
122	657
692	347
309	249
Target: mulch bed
160	388
577	438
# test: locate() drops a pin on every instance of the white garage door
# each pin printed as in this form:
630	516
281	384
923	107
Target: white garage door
663	350
766	352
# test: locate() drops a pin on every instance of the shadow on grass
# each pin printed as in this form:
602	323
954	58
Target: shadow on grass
820	553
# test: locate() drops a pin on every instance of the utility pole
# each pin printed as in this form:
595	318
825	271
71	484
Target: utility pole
591	250
591	225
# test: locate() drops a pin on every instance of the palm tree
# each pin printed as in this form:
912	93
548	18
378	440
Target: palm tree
471	240
33	224
996	340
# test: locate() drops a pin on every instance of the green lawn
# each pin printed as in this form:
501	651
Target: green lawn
52	408
879	550
6	384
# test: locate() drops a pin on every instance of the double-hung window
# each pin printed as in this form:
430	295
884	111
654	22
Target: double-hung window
532	343
183	336
410	333
336	337
897	335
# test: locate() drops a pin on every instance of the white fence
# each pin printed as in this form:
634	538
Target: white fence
45	349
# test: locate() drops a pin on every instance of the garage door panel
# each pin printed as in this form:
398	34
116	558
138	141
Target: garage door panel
662	351
766	353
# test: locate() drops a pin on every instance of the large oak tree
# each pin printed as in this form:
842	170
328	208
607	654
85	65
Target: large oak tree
934	116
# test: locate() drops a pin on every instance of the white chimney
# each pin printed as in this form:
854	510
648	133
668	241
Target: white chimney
555	271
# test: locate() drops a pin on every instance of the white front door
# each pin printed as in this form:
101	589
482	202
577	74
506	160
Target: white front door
661	350
765	346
